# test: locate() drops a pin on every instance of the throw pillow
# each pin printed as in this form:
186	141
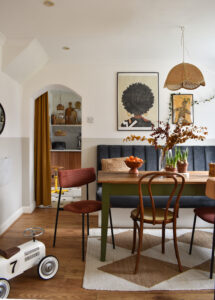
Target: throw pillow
114	164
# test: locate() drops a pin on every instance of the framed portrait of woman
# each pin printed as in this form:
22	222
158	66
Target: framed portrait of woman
137	100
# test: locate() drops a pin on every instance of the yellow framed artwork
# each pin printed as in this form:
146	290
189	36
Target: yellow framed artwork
182	108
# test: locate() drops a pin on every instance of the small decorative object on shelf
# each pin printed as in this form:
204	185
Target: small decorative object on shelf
134	163
60	133
78	111
60	106
70	114
53	119
182	163
79	141
60	119
212	169
58	145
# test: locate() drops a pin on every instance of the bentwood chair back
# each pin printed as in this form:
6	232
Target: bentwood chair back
153	215
77	178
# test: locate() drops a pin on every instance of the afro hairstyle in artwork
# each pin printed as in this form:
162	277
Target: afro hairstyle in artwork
138	98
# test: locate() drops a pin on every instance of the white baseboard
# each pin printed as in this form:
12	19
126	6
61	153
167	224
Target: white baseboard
15	216
29	209
11	220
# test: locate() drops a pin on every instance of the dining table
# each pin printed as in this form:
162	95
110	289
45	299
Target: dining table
124	183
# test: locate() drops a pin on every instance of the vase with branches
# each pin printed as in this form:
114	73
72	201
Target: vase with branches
165	137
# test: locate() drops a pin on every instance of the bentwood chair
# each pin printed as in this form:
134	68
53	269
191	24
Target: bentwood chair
77	178
153	215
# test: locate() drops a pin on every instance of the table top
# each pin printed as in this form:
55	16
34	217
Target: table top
195	177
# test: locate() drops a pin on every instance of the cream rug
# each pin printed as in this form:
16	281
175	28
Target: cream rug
157	271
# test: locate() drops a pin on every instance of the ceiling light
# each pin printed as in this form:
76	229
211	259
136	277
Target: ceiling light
65	48
184	75
48	3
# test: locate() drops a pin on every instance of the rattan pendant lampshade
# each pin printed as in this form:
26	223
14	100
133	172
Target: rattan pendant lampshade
184	75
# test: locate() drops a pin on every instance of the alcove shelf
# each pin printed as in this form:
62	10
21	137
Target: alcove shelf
65	138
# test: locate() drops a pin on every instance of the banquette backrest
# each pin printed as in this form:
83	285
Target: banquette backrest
199	156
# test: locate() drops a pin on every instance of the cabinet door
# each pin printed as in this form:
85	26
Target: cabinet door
68	160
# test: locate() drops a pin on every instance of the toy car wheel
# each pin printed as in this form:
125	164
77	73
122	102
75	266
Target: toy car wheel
4	288
48	267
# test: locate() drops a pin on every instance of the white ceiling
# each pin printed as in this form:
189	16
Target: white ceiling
113	29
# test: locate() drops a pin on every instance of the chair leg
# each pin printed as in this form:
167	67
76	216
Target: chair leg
57	214
88	224
139	247
83	229
176	246
192	236
134	237
111	227
212	255
163	237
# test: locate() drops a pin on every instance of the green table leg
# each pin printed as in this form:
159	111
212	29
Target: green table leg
105	211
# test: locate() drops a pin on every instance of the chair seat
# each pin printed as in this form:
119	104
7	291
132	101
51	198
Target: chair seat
206	213
148	216
84	206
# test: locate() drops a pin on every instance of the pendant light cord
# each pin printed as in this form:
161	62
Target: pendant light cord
182	40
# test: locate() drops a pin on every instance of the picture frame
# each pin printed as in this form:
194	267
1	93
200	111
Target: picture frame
182	108
137	100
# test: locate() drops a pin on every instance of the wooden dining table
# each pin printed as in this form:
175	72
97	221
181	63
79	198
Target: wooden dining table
124	183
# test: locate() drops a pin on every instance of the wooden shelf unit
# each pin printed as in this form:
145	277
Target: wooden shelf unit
66	159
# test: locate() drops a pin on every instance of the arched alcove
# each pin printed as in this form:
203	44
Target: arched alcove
67	95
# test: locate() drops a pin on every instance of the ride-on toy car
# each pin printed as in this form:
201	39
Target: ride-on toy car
17	260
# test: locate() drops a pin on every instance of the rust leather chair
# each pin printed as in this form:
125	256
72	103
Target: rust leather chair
77	178
208	215
153	215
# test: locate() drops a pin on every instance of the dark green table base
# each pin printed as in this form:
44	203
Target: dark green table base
109	189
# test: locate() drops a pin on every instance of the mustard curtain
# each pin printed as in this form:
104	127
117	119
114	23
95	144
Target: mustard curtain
42	162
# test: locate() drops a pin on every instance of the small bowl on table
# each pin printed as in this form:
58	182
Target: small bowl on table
133	165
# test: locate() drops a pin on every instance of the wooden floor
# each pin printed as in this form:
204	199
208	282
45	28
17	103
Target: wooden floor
67	284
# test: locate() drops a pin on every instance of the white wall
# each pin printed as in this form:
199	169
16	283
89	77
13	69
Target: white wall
96	83
11	146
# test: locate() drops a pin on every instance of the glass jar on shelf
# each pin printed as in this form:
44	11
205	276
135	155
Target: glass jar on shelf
60	116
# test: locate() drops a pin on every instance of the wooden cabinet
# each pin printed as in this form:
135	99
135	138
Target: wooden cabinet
66	159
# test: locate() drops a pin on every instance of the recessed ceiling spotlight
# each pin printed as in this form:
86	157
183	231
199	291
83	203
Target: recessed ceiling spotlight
48	3
65	48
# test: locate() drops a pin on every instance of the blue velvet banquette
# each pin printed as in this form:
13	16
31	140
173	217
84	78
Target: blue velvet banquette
198	159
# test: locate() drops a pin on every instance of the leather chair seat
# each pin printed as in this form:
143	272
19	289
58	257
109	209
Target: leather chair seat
84	206
206	213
